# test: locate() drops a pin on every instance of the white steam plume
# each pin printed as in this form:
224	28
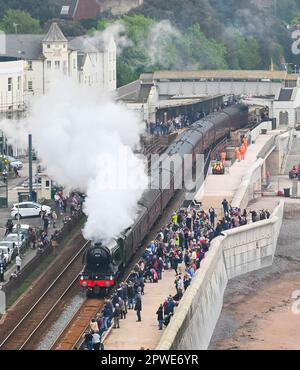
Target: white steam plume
115	30
160	37
87	144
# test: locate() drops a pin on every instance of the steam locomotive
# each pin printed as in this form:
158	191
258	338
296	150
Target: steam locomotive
104	263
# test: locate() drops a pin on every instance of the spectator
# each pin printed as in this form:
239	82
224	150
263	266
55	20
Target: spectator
94	326
116	316
138	304
18	263
160	317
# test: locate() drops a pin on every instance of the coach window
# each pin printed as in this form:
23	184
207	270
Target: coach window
118	255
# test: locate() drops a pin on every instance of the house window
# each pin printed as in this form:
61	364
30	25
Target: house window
30	64
30	86
64	46
19	82
48	64
74	63
9	84
48	46
57	64
283	118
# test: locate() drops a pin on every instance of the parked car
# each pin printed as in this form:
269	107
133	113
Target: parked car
7	251
28	209
13	161
15	240
24	230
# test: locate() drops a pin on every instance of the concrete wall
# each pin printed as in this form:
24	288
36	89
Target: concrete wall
252	247
250	186
241	250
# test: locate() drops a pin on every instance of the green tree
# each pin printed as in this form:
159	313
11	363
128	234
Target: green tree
21	20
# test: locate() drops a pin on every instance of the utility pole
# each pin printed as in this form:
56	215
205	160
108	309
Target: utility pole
30	166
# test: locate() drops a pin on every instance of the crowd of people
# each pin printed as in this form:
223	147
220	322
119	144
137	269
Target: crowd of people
165	126
295	172
180	246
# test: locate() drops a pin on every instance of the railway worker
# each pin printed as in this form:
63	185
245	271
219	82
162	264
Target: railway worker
138	305
223	157
245	142
117	315
18	262
242	151
160	317
237	154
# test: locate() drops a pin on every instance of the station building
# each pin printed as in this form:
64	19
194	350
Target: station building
277	91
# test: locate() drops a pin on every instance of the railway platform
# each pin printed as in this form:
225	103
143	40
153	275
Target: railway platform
218	187
134	335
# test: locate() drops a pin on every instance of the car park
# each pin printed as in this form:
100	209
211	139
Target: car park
28	209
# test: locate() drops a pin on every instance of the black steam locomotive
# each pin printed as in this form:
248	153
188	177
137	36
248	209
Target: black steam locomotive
103	263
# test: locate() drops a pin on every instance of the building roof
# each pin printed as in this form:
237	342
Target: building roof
24	46
85	44
130	91
54	34
286	95
222	74
30	47
80	9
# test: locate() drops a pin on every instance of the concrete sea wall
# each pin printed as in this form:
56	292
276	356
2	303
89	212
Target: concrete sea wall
241	250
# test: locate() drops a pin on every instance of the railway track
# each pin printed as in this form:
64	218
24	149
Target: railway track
73	333
29	329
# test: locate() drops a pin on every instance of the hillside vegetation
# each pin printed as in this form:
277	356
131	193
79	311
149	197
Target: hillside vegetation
177	34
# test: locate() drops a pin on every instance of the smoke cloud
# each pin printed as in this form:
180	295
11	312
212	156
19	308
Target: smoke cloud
87	144
160	38
115	30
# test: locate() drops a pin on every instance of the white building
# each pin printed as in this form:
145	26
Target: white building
11	85
36	57
286	107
